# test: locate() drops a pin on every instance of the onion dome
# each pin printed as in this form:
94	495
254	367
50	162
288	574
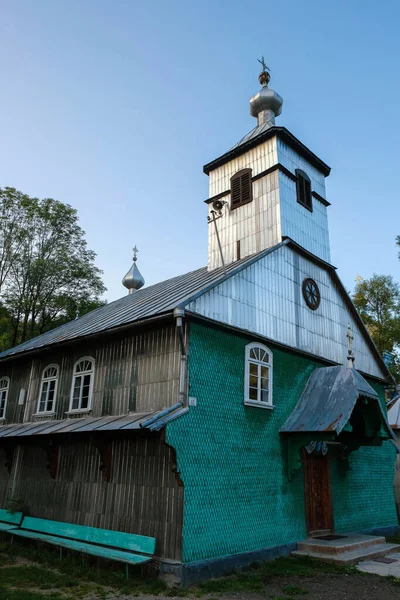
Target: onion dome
266	104
133	280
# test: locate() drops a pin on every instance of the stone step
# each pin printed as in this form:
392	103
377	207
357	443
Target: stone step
350	557
346	543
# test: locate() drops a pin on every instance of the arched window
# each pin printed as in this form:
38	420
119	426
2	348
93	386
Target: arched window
241	188
258	379
82	384
48	389
4	387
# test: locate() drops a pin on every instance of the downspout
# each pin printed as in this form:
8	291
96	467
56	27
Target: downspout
179	313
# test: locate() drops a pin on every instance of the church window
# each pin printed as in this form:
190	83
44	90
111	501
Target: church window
48	389
311	293
4	387
241	188
258	376
303	188
82	384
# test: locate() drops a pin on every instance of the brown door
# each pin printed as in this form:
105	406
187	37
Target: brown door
318	498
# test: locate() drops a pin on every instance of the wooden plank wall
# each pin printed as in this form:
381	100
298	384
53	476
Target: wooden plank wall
143	495
134	373
4	480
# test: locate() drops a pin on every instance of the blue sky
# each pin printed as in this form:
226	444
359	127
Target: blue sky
114	107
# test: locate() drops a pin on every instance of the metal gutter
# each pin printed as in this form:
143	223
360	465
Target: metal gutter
163	413
163	422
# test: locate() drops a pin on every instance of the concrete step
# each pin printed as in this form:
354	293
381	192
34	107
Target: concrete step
350	557
352	541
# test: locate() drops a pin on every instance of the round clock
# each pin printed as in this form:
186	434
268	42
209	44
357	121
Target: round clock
311	293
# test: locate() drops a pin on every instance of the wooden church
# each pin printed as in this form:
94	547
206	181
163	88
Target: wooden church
229	412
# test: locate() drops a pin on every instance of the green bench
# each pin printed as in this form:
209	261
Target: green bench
9	520
113	545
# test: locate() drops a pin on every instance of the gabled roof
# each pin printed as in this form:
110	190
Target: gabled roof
328	401
164	297
261	134
155	300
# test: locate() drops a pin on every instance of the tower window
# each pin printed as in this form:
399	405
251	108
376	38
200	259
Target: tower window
303	187
241	188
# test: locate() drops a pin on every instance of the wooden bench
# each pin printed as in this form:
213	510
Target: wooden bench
129	548
9	520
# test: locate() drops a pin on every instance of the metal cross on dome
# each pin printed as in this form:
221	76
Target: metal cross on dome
350	338
262	63
135	252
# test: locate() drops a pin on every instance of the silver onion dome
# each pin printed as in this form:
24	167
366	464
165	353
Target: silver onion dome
266	104
133	280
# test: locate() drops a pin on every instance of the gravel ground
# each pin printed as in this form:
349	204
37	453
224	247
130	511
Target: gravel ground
325	587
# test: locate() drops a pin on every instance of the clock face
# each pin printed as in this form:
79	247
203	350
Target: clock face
311	293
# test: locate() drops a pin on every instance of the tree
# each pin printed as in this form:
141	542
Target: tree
49	273
378	302
14	222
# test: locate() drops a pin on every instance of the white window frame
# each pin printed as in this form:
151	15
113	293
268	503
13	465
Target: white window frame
44	380
74	376
247	400
5	389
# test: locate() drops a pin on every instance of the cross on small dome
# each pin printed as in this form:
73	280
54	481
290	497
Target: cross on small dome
133	280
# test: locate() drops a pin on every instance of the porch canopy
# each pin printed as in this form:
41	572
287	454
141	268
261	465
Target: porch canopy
339	405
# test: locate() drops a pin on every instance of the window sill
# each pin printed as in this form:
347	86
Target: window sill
78	411
44	414
259	404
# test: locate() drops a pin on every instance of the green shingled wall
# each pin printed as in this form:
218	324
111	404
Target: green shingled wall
363	497
230	457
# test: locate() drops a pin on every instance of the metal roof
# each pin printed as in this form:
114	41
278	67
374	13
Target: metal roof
91	424
162	298
147	302
260	134
328	401
258	130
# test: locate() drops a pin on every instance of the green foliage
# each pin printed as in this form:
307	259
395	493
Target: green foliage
47	273
378	302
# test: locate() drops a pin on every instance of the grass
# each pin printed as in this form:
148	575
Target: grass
32	572
258	576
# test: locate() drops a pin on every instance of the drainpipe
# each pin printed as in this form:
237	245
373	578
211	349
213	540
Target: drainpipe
179	313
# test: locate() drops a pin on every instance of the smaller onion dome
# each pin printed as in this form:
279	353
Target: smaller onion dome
133	280
266	104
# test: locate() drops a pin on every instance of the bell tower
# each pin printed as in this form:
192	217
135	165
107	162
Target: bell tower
267	187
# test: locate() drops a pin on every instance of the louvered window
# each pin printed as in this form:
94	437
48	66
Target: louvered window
303	186
241	188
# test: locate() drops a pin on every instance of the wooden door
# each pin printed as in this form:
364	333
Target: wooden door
318	499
